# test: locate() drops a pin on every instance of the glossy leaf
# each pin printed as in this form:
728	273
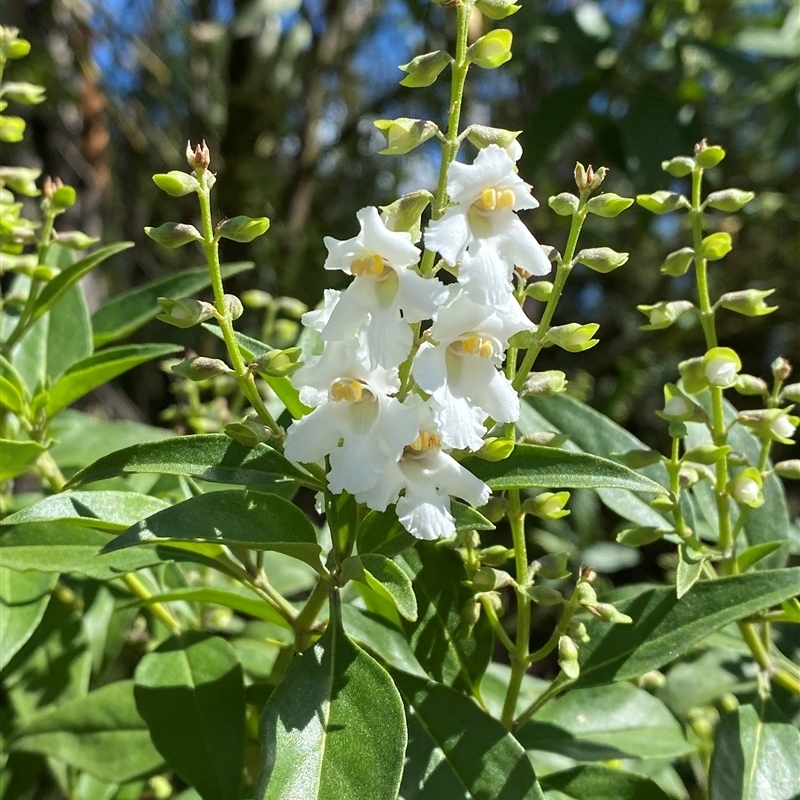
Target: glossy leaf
106	511
101	733
212	457
755	757
383	576
596	782
690	568
23	600
457	751
752	555
381	532
17	457
190	691
12	387
235	518
127	312
664	626
618	721
334	729
100	368
548	467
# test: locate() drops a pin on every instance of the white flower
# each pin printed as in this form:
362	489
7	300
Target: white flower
721	371
355	421
385	295
426	477
782	427
484	196
460	370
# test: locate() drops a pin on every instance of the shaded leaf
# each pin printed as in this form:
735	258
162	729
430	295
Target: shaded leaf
596	782
383	576
23	600
17	457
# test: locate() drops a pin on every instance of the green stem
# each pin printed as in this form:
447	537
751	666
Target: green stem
569	612
306	619
137	588
552	691
497	626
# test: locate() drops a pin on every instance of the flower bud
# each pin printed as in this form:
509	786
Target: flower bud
26	94
483	135
487	579
497	9
783	428
199	158
174	234
601	259
679	166
577	630
242	229
491	50
404	214
707	157
496	449
774	424
693	375
716	246
404	134
544	595
791	393
545	384
721	365
586	594
663	503
595	178
11	46
581	176
661	202
22	180
573	338
608	205
677	263
640	536
425	69
75	240
663	314
42	272
249	433
541	291
729	200
12	129
278	363
568	658
547	505
781	369
234	308
652	680
469	616
745	488
24	264
545	438
677	406
607	613
200	368
564	204
522	339
689	476
496	555
637	459
184	313
707	453
789	469
176	183
256	298
63	197
750	386
552	567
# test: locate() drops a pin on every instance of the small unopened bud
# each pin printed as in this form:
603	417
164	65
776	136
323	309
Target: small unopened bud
661	202
544	595
256	298
249	433
707	156
577	630
496	449
637	459
729	200
782	370
487	579
404	214
640	536
676	405
721	366
573	338
564	204
750	386
200	368
552	567
242	229
492	50
789	469
50	186
198	158
278	363
568	658
745	488
707	454
547	505
425	69
234	308
586	594
588	574
716	246
601	259
677	262
496	555
184	313
693	375
663	503
688	477
783	428
494	9
770	423
546	438
75	240
679	166
595	178
541	291
483	135
791	393
652	680
404	134
523	339
176	183
544	384
495	509
664	314
608	205
607	613
469	616
174	234
581	176
160	787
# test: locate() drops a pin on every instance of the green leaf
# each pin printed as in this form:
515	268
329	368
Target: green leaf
106	511
690	568
547	467
17	457
23	599
242	229
664	626
457	751
12	387
190	691
468	519
755	757
383	576
127	312
101	733
334	729
435	637
98	369
617	721
235	518
754	554
66	547
212	457
381	532
596	782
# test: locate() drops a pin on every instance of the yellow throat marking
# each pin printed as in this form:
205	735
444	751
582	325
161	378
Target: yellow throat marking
474	345
349	390
425	441
495	199
368	265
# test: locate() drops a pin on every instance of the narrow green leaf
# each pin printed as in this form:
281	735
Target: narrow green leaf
468	519
755	757
334	729
23	599
235	518
690	568
457	751
190	691
548	467
596	782
101	733
12	387
106	511
100	368
754	554
127	312
212	457
617	721
383	576
664	626
17	457
381	532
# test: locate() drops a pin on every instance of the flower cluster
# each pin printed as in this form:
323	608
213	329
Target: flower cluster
388	402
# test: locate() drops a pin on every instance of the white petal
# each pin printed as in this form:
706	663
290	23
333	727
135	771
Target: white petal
318	318
419	297
519	246
388	338
350	312
449	236
314	436
453	479
341	254
426	514
385	491
486	278
430	368
490	390
356	466
394	246
459	421
397	426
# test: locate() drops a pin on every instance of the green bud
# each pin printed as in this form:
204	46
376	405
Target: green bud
546	438
21	179
242	229
662	503
640	536
580	176
292	307
568	658
573	338
496	449
545	384
721	366
63	198
564	204
678	167
729	200
12	129
608	205
249	433
497	9
577	630
586	594
544	595
707	453
27	94
661	202
174	234
677	406
200	368
707	157
637	459
749	302
234	308
256	298
522	339
404	134
547	505
184	313
43	272
198	158
750	386
595	178
677	263
781	369
495	555
491	50
405	213
76	240
487	579
278	363
483	135
469	616
791	393
771	424
495	509
11	46
552	567
425	69
541	291
662	315
745	488
789	469
607	613
176	183
716	246
693	375
23	264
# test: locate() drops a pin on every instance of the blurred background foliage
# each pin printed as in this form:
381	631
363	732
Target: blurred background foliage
286	91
